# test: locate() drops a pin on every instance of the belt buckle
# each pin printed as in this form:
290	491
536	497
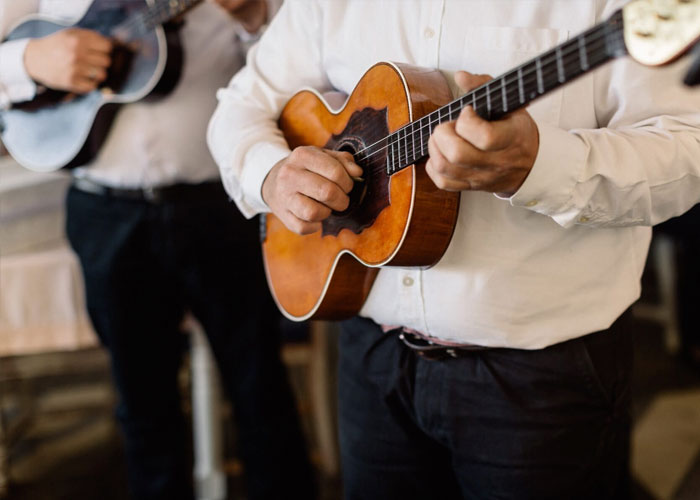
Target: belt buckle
152	195
427	349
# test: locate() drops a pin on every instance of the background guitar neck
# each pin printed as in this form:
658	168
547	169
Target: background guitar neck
143	21
506	93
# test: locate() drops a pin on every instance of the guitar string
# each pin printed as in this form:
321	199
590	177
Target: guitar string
595	35
528	76
472	96
407	157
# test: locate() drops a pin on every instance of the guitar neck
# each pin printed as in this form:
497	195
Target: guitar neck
506	93
156	14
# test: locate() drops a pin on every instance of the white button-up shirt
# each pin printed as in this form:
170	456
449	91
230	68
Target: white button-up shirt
619	151
151	143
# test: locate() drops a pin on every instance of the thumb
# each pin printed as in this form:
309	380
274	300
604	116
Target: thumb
468	81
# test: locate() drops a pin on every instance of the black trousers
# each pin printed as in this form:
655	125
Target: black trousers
146	264
496	424
685	232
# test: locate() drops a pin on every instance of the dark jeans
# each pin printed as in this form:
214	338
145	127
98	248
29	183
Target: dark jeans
144	266
496	424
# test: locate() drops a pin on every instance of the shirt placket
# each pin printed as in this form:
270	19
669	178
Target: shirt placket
429	33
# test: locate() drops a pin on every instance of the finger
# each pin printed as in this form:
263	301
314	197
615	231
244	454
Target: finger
307	209
95	42
326	164
436	167
295	224
95	74
482	134
323	191
83	85
469	81
348	162
455	148
97	59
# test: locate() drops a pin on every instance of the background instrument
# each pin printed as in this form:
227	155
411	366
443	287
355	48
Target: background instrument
56	129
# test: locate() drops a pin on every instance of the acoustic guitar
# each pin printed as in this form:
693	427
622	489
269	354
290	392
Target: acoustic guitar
397	217
59	130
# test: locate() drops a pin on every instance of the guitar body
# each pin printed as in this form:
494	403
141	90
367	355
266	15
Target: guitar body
397	220
69	131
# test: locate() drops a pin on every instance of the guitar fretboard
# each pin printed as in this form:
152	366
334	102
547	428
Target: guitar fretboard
506	93
143	21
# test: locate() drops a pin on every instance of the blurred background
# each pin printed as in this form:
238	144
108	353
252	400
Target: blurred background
59	438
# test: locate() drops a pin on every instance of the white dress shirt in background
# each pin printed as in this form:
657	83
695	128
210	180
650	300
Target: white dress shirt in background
563	257
153	143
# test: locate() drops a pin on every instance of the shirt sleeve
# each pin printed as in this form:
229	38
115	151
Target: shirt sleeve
639	168
243	135
15	83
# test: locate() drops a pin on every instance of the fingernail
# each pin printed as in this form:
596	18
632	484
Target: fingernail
357	179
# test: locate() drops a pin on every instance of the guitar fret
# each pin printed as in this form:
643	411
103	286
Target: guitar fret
420	127
488	101
560	66
404	154
583	54
504	94
521	89
540	82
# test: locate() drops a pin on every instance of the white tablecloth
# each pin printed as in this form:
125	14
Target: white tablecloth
42	304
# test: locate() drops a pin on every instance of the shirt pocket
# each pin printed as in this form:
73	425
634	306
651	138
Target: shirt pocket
496	50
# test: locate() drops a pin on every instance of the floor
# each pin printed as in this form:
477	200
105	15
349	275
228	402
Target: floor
72	449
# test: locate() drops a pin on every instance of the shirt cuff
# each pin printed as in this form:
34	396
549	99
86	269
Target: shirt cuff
17	84
549	187
258	162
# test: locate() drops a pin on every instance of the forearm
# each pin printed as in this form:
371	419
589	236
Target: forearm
639	168
243	135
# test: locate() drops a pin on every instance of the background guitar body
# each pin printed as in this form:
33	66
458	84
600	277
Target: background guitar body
68	133
396	220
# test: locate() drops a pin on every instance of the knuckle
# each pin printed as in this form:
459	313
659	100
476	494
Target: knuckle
307	212
439	181
285	172
346	156
487	138
326	192
452	153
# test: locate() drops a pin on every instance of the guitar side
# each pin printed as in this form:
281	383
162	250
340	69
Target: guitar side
67	133
397	220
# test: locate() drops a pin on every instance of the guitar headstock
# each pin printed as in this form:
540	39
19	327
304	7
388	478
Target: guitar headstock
659	31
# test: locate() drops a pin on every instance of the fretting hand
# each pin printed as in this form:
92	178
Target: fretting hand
474	154
305	187
75	60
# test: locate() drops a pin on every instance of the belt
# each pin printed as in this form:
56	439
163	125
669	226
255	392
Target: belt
155	195
431	351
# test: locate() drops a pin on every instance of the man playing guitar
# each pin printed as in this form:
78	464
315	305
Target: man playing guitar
157	236
502	371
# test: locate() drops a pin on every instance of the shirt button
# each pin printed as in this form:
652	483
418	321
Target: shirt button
531	203
428	33
583	218
407	281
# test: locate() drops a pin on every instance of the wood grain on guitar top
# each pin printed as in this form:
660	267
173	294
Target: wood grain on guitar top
316	275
